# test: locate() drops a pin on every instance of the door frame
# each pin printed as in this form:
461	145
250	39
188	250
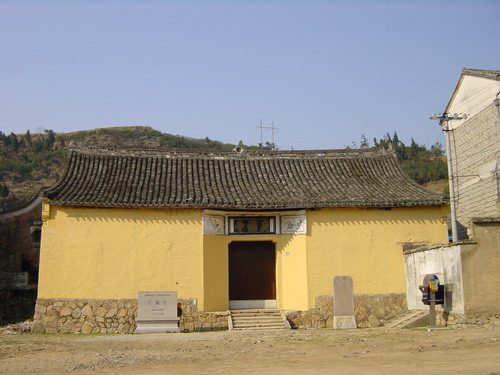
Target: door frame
254	303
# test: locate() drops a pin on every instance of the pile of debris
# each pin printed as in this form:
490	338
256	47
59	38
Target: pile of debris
17	328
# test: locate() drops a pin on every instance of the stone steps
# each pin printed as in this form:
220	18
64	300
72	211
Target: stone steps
410	319
257	319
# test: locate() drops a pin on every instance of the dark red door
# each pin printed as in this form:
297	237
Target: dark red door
252	270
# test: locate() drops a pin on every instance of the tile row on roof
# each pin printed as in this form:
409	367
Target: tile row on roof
245	180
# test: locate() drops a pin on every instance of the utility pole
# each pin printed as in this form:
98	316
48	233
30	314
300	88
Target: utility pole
272	128
444	121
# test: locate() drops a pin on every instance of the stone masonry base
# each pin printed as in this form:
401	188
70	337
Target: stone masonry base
113	316
447	319
118	316
371	310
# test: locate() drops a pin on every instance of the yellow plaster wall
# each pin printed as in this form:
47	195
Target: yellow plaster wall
291	272
366	244
115	253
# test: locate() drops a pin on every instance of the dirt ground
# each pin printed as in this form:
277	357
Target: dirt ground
469	350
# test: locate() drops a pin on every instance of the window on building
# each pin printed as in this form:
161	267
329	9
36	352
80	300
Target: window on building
252	225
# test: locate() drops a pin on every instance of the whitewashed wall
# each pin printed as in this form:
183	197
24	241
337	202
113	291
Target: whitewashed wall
472	95
445	262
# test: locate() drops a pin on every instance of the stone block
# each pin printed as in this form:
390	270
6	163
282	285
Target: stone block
41	309
87	311
343	303
373	321
65	328
344	322
37	327
211	319
51	311
101	311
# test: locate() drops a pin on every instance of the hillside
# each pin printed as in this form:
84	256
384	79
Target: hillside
30	162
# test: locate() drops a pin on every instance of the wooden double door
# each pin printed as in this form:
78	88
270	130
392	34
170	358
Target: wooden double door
252	270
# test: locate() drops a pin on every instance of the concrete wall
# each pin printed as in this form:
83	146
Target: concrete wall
469	270
481	266
443	260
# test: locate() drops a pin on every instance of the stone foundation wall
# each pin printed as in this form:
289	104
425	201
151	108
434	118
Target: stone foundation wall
447	319
114	316
193	320
118	316
371	310
84	316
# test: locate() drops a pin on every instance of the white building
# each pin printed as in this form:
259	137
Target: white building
474	146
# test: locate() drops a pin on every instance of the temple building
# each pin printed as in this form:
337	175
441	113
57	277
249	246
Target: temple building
228	231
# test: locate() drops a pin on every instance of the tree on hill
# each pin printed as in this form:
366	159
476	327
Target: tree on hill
421	164
33	161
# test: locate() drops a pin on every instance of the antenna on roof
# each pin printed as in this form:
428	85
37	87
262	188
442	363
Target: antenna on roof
272	128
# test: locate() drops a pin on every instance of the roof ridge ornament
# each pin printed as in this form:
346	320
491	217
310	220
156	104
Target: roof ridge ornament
236	152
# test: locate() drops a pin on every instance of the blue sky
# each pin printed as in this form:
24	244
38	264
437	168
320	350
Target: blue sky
325	72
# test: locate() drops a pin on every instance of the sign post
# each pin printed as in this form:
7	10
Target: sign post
157	312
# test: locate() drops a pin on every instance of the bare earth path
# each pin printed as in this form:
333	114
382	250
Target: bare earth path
471	350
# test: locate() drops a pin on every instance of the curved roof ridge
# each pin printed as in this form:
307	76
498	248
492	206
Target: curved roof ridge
186	153
302	179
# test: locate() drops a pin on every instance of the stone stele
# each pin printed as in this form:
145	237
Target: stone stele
343	303
157	312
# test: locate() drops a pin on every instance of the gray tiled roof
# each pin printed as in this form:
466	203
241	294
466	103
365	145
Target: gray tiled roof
248	180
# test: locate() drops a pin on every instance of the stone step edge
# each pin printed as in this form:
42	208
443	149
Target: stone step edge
258	324
407	318
253	311
258	328
256	314
275	318
254	319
